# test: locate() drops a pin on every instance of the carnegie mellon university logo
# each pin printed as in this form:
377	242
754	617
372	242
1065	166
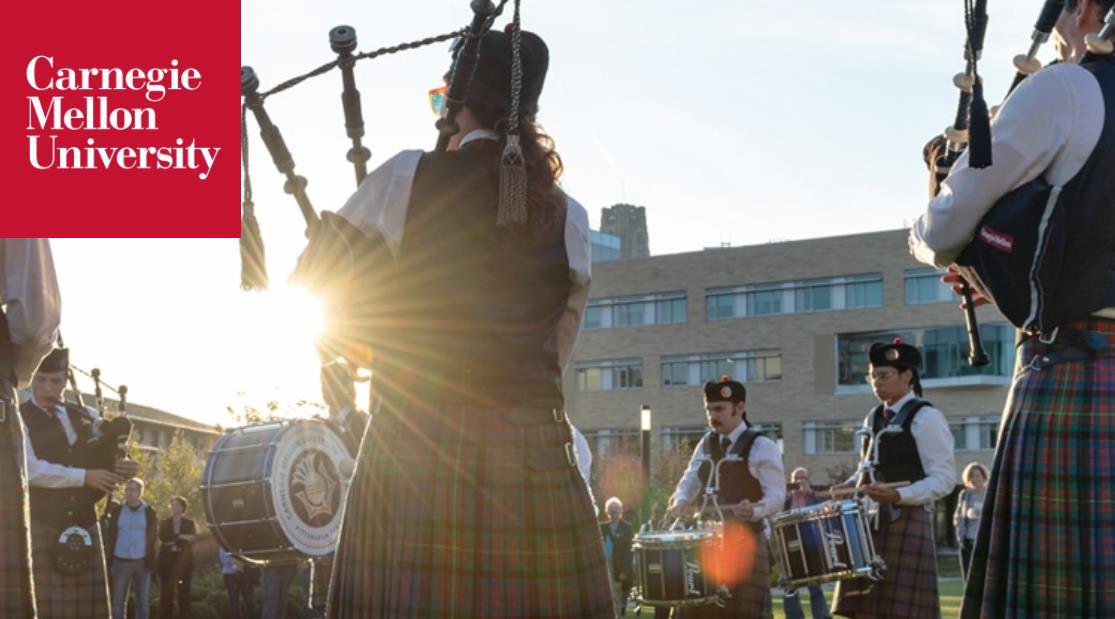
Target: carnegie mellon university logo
314	484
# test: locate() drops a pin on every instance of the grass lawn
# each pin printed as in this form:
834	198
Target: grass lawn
951	590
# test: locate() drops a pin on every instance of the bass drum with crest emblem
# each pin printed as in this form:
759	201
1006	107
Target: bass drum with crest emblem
276	491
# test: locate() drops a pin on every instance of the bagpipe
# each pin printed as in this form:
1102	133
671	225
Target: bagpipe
345	267
1013	258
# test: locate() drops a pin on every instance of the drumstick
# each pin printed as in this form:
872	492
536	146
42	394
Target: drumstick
842	492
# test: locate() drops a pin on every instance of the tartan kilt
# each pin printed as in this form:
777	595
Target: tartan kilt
16	583
751	598
909	585
462	512
1046	543
68	596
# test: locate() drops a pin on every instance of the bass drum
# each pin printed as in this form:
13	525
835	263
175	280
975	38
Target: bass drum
276	491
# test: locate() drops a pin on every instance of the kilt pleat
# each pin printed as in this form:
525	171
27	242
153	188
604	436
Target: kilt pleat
16	582
909	585
444	518
68	596
1046	544
750	599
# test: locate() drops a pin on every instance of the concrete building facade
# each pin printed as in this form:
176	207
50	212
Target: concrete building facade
791	320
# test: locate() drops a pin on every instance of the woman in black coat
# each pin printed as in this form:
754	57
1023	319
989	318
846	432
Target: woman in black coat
176	560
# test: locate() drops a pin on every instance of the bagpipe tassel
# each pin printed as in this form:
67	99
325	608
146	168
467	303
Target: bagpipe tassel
979	129
512	184
253	263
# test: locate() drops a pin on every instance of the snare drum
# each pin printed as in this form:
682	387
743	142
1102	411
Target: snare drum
823	543
669	568
276	491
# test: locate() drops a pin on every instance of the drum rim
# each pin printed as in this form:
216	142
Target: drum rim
819	511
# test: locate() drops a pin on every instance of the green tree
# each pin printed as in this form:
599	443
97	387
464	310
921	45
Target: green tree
175	471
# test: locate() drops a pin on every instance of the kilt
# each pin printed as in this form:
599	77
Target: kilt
16	583
68	596
909	585
751	598
1046	544
468	513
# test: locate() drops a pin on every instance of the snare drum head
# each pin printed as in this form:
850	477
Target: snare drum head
307	488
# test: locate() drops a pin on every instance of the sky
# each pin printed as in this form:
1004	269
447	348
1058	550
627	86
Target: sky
731	121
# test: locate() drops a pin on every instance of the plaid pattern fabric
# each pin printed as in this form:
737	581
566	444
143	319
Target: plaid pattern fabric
749	599
16	584
909	585
68	596
451	515
1046	545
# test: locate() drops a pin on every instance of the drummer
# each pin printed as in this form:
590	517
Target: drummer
748	494
919	451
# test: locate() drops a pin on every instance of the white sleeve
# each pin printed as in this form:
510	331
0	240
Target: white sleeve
1036	123
936	451
43	474
577	249
689	486
33	305
381	201
765	465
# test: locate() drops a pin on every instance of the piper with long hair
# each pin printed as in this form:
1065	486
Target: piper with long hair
459	277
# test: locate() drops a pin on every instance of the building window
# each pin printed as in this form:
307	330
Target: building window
796	297
925	286
773	431
943	351
683	439
830	437
746	367
611	441
654	309
609	375
975	433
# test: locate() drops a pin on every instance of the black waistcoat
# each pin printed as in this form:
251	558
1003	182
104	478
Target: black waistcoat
899	459
63	507
1048	262
736	481
476	309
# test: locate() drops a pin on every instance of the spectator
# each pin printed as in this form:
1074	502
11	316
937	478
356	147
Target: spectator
969	508
618	534
238	585
802	495
130	533
176	560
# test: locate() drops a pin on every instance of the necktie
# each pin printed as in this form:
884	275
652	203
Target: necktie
888	415
725	443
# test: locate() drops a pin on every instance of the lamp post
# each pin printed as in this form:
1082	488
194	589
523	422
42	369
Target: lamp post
644	435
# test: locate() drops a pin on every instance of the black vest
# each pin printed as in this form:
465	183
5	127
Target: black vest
477	307
899	459
1045	262
736	481
63	507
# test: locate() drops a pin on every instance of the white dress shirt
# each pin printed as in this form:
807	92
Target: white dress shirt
32	304
381	202
1049	127
764	463
935	450
44	474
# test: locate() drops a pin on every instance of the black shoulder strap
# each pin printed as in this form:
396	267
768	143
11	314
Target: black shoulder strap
905	417
742	447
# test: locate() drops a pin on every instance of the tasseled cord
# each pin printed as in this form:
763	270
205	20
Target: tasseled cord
979	129
979	121
253	263
512	164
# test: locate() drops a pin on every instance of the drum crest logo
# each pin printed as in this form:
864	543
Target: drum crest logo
313	482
